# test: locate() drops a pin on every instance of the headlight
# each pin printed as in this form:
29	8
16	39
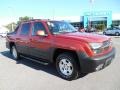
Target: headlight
95	45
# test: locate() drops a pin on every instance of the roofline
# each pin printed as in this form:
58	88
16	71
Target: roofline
32	20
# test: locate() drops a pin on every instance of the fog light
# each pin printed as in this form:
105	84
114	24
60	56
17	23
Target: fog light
96	51
99	67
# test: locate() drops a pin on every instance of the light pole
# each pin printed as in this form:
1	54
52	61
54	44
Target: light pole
11	13
53	14
90	17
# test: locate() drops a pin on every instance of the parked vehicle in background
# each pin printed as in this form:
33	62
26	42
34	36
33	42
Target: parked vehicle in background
3	34
58	42
3	31
112	31
81	29
90	30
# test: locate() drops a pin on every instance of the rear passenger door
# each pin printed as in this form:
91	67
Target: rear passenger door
23	39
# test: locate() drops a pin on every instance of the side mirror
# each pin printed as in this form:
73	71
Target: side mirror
41	33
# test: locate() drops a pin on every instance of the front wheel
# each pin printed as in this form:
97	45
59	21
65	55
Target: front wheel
104	33
67	66
15	53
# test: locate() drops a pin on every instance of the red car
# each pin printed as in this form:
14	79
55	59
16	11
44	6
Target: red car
58	42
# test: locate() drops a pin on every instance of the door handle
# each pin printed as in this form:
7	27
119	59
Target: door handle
31	39
21	41
17	38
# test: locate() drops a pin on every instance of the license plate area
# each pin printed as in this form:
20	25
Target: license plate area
108	61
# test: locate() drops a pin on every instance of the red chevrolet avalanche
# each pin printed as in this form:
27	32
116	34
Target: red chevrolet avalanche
58	42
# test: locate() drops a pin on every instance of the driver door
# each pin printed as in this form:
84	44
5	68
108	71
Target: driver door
40	45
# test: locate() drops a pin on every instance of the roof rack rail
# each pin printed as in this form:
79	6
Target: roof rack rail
34	20
37	19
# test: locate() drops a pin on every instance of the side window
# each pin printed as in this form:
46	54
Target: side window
25	29
38	26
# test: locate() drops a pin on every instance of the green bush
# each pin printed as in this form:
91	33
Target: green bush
100	27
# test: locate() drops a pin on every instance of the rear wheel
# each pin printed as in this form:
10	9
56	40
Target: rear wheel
67	66
15	53
117	33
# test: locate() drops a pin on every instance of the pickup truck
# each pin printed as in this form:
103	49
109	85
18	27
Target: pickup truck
58	42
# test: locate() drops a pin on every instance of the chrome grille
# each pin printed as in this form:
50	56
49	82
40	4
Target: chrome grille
106	45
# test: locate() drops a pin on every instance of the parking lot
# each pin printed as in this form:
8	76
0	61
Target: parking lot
28	75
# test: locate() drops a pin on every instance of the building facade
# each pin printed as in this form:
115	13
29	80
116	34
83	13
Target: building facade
93	19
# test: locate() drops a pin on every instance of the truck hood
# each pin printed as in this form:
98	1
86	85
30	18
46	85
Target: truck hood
86	37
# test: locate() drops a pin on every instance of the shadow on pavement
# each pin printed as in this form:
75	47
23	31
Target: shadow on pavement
47	68
50	68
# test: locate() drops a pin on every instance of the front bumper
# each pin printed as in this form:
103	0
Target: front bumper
88	65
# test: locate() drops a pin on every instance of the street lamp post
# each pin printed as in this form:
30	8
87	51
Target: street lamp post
90	17
11	13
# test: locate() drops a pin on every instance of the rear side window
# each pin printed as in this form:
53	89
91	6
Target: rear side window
25	29
38	26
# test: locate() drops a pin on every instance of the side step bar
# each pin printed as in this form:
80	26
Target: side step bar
44	63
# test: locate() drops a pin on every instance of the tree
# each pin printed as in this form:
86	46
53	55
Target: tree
11	26
100	27
25	18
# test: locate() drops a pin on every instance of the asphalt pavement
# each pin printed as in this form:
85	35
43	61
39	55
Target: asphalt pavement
28	75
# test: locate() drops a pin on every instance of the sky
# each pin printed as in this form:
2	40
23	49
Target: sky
11	10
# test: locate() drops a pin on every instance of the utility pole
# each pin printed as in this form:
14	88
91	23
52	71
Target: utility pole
11	16
90	17
53	13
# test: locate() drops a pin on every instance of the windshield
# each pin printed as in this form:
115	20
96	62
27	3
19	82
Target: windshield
58	27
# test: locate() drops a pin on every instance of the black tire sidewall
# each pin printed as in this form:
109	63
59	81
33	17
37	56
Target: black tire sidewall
117	34
104	33
12	53
75	72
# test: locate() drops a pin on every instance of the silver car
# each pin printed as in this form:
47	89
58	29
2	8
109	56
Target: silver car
3	34
112	31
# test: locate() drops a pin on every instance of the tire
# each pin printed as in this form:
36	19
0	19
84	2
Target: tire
117	34
67	67
15	53
104	33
